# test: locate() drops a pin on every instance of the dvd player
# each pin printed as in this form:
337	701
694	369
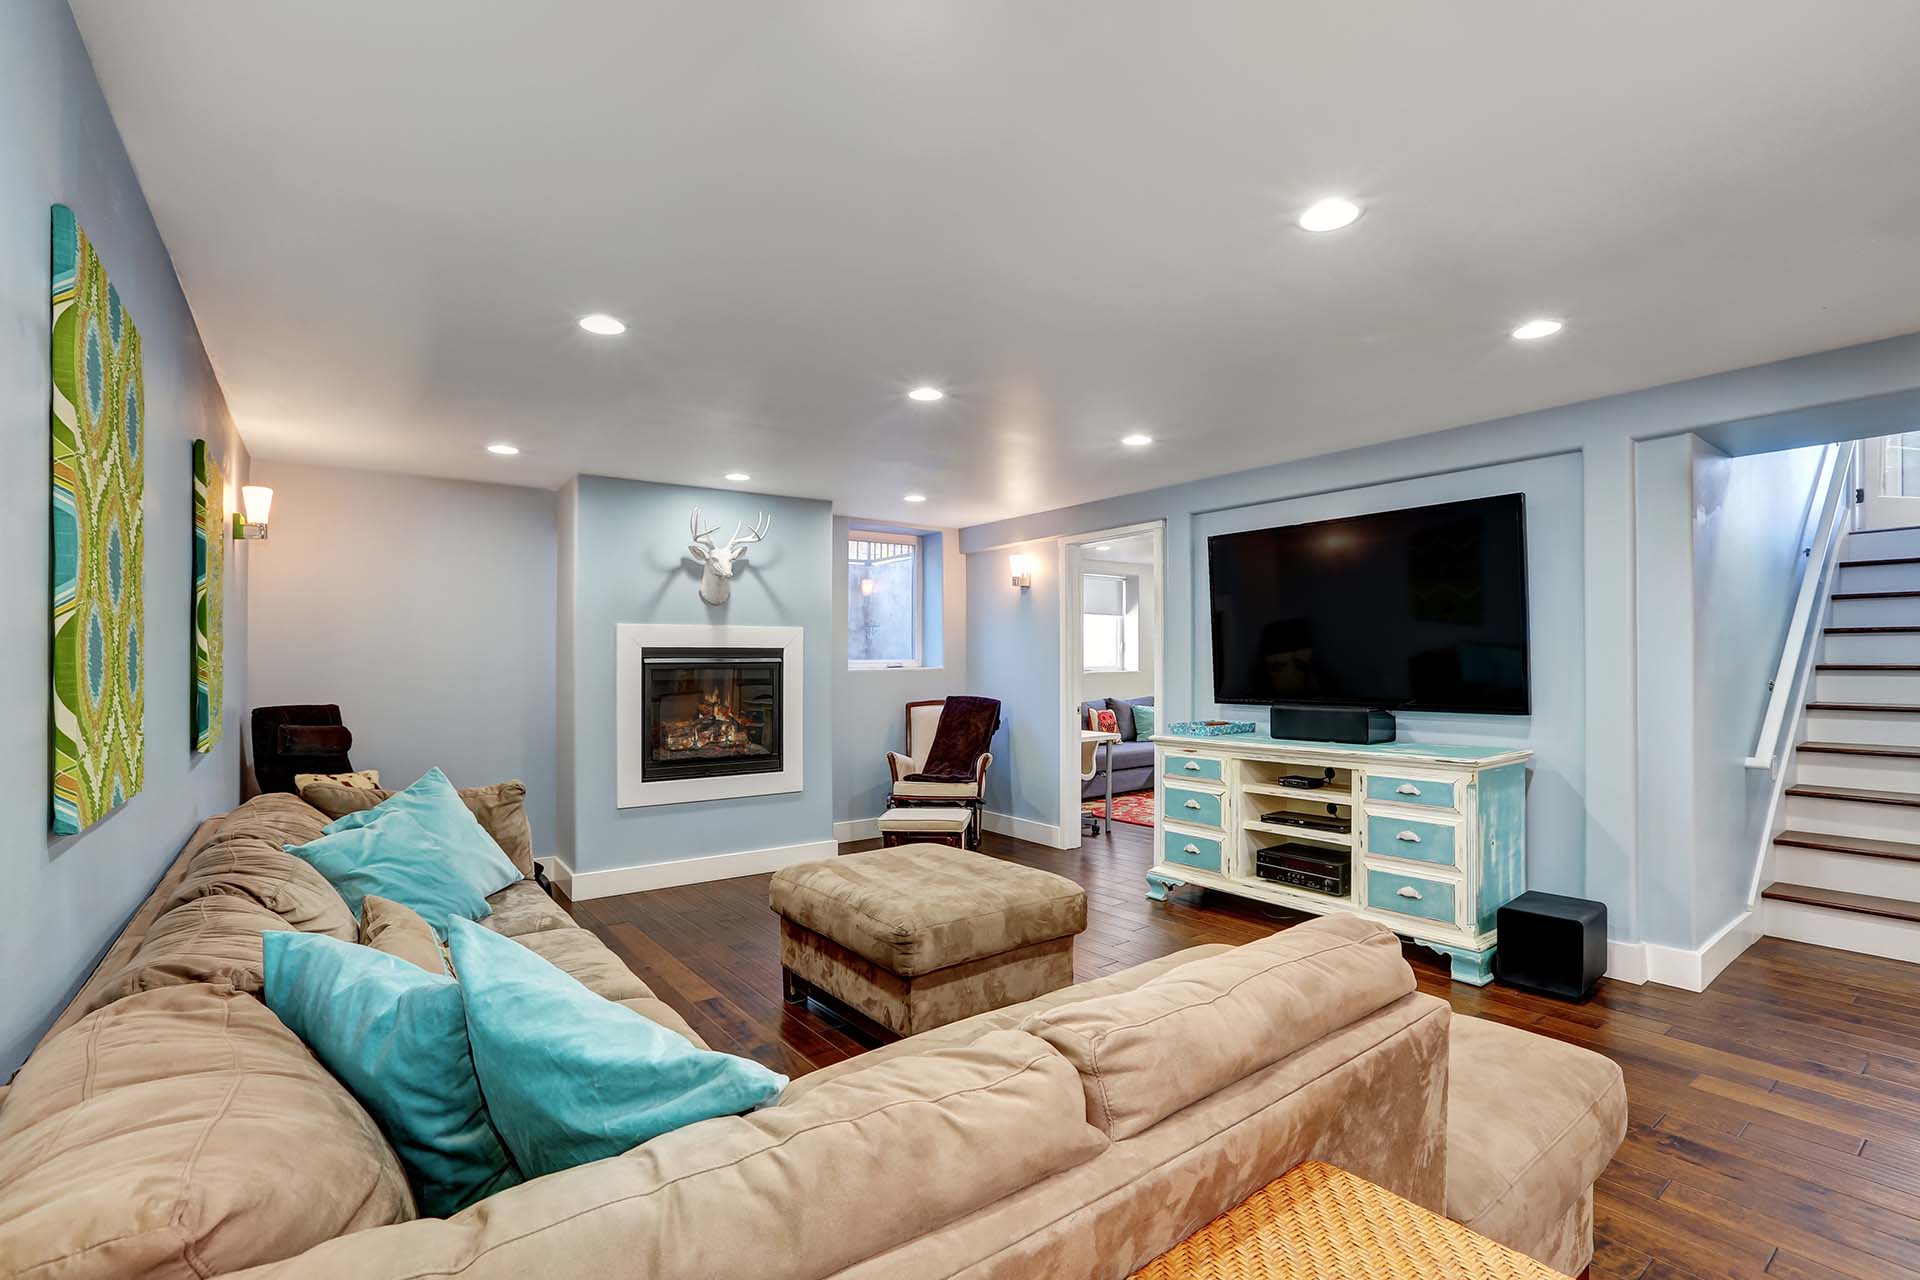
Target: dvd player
1311	821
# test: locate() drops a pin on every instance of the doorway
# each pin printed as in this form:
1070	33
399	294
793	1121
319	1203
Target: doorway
1890	477
1112	656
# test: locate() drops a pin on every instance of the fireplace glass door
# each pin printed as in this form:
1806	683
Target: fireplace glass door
711	712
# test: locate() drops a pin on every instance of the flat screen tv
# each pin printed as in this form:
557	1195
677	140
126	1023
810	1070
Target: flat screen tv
1423	609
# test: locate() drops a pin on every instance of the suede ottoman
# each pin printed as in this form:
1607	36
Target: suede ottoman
921	935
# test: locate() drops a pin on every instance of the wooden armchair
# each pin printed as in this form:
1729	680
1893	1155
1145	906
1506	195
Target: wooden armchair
922	721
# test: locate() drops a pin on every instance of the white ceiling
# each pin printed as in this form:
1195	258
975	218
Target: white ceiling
1076	217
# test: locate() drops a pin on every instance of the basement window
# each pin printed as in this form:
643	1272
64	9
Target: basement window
885	584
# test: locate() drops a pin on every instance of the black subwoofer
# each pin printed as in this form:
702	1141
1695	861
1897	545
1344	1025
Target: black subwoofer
1552	944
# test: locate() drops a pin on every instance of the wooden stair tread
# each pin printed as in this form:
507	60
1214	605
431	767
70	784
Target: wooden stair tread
1861	845
1862	903
1875	595
1819	791
1867	666
1865	564
1861	749
1898	708
1873	631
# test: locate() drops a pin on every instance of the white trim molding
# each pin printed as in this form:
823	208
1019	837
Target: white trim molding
1048	834
858	829
613	881
1641	962
632	789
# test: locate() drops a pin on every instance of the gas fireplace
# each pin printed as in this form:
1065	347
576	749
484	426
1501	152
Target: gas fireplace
710	713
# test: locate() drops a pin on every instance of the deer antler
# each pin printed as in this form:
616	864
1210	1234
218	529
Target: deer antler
704	538
761	524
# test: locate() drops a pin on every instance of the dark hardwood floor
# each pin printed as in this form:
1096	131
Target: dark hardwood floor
1774	1120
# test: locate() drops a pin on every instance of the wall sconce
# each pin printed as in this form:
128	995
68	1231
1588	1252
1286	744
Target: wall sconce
1022	567
258	501
866	586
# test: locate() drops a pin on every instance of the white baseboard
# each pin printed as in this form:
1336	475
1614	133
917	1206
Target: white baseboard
583	885
1640	962
858	829
1048	834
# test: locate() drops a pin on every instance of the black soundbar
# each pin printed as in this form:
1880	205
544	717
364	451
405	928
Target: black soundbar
1332	724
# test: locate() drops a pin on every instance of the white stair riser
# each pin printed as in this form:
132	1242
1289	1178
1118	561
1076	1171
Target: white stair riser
1899	687
1880	577
1876	613
1871	648
1852	818
1880	544
1850	872
1844	930
1875	773
1872	728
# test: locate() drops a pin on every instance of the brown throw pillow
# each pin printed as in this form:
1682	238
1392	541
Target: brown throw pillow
500	808
399	931
359	780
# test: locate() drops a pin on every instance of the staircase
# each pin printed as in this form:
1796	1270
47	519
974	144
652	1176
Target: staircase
1847	866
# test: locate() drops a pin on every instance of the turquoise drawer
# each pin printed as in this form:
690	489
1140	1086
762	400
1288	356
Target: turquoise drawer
1392	837
1426	791
1201	808
1190	851
1410	896
1207	767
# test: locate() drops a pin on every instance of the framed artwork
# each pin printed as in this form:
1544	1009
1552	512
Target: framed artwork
209	595
99	545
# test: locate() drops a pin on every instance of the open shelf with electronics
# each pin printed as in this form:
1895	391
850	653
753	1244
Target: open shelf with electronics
1428	839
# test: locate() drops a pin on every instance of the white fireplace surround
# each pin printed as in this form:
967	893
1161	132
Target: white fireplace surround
632	640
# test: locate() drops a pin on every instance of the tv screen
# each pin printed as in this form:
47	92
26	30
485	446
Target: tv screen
1417	610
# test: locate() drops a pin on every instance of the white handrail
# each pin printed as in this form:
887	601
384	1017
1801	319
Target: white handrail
1833	502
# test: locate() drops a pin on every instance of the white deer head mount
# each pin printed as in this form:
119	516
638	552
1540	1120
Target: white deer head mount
716	583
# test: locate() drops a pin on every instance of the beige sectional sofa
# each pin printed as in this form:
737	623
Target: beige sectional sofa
170	1126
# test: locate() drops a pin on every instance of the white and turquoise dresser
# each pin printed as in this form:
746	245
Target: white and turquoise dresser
1436	839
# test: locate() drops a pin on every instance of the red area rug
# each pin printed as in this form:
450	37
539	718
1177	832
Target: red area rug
1132	807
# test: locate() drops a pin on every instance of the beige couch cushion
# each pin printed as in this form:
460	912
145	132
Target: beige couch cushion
786	1193
587	960
209	939
501	809
1531	1122
183	1132
1144	1054
920	907
399	931
524	907
247	864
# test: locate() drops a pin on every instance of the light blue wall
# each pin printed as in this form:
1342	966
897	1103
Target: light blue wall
66	899
1013	652
628	540
869	707
1010	645
453	667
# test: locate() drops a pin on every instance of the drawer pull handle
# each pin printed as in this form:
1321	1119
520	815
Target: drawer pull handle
1192	848
1192	766
1411	837
1408	891
1407	789
1193	804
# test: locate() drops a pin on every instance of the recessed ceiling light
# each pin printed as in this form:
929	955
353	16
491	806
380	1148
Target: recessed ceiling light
503	449
915	497
1103	546
737	477
1138	440
1330	214
1535	329
604	325
926	395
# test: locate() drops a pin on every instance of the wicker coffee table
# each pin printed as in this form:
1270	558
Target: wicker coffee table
1316	1222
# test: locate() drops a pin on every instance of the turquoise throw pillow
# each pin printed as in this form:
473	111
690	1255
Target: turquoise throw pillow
571	1077
420	847
1143	721
396	1037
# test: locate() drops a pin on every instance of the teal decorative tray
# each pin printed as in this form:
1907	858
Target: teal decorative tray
1203	729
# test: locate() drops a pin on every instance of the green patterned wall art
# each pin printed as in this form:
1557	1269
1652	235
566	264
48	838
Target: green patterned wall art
99	483
209	595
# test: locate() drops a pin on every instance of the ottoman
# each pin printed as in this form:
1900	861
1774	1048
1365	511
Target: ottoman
920	935
916	824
